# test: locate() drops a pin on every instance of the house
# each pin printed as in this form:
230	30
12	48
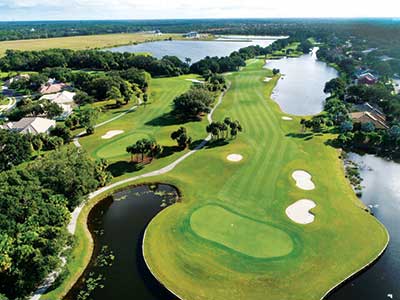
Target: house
367	78
64	97
17	78
65	100
363	117
33	125
192	35
51	87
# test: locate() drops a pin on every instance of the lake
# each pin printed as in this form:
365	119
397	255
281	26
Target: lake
195	50
381	194
300	90
117	225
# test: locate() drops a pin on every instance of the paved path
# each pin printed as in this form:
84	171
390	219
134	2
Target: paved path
76	138
75	214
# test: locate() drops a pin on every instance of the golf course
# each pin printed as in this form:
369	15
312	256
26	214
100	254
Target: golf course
230	238
269	215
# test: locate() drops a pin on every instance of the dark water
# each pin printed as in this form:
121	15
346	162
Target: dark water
119	225
195	50
300	89
382	195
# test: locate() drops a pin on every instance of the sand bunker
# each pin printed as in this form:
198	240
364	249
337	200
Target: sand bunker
303	180
195	80
234	157
299	212
111	134
287	118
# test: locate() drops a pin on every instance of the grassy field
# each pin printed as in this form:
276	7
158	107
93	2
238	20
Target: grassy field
148	121
83	42
191	247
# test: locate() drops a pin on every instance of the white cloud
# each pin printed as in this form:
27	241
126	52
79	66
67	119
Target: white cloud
156	9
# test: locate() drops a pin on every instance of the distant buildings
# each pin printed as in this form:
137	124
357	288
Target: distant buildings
16	78
366	76
192	35
34	125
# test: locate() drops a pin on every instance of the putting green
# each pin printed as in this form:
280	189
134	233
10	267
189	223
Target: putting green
240	233
117	146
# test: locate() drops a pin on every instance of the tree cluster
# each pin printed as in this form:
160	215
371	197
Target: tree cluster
34	212
193	103
228	128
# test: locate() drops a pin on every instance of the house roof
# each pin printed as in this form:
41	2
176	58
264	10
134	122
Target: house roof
52	88
64	97
32	125
365	117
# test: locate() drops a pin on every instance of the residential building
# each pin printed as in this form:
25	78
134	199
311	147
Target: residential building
363	117
33	125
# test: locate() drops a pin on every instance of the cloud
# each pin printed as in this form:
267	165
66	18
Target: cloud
163	9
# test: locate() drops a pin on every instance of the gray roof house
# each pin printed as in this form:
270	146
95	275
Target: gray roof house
34	125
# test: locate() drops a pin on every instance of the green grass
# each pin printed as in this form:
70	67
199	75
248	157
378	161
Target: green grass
151	120
82	43
204	264
244	235
190	246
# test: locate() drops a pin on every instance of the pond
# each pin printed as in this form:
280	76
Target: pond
117	225
381	194
195	50
300	89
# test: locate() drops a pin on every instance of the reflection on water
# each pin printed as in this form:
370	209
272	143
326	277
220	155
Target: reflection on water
300	89
195	50
382	194
118	225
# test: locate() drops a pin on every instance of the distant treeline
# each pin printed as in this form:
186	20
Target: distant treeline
385	28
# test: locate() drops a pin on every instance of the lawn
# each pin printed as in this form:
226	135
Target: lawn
147	121
83	42
229	237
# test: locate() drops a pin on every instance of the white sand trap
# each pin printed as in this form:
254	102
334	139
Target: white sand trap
303	180
234	157
287	118
111	134
195	80
299	212
267	79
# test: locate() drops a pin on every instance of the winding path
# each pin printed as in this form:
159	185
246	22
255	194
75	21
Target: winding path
75	214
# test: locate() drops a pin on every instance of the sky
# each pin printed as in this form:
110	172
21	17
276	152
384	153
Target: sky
16	10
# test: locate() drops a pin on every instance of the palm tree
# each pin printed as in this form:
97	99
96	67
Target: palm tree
132	150
188	60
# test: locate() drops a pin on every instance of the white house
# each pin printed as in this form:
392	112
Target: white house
33	125
64	99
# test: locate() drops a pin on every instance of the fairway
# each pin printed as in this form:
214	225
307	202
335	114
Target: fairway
194	250
117	146
240	233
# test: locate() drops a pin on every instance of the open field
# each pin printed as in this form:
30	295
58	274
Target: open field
84	42
185	249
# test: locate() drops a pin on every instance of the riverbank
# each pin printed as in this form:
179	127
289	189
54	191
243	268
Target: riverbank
342	239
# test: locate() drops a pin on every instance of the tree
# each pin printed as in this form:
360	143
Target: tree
275	71
346	126
367	127
132	150
181	137
101	173
192	103
335	86
62	132
145	99
15	149
115	94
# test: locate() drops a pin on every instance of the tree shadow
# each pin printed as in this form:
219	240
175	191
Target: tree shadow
169	150
120	168
211	144
169	119
304	135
